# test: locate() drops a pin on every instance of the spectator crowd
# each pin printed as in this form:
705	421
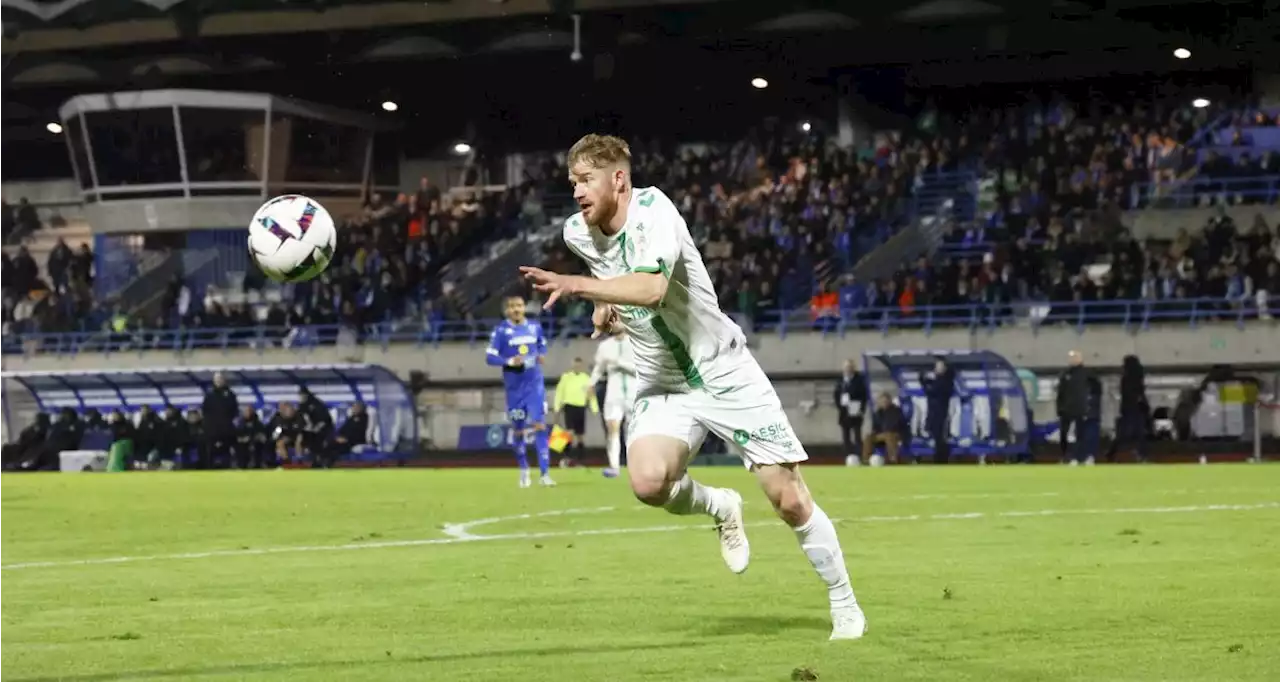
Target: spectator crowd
784	214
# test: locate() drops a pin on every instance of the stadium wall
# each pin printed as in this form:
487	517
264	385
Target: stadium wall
797	353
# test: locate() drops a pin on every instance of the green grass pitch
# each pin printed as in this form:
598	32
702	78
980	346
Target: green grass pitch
966	573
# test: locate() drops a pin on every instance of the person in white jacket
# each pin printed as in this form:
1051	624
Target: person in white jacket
615	365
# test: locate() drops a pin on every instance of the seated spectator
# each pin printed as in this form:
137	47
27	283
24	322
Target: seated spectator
824	308
354	432
887	425
29	442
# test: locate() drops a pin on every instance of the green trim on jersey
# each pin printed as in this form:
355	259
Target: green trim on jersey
661	268
622	248
678	351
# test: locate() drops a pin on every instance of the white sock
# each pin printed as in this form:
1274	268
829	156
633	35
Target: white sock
691	497
614	449
819	542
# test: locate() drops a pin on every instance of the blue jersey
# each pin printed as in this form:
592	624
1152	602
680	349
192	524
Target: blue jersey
525	386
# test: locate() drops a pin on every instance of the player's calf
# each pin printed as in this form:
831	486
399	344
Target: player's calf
786	490
791	501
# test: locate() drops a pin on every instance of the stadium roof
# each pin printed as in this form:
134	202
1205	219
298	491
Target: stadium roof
77	25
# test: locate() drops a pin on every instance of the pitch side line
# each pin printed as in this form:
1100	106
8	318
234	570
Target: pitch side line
461	532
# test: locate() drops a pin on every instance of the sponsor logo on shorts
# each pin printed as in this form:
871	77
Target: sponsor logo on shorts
777	433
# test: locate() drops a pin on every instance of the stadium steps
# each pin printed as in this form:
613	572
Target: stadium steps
41	243
143	296
939	198
921	238
477	283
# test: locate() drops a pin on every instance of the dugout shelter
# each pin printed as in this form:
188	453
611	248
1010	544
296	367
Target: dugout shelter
989	412
393	423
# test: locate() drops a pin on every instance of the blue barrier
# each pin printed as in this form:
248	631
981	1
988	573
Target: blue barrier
1137	315
1188	193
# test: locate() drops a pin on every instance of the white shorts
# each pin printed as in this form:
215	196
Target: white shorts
615	410
746	414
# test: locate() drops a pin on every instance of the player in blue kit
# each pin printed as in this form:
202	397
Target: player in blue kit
518	347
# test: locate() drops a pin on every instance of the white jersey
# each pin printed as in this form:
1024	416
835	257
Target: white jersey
616	364
677	344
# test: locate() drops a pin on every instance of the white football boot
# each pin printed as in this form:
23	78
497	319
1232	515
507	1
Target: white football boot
546	481
848	622
525	479
734	548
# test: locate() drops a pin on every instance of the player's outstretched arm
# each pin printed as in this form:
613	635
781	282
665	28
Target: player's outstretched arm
644	289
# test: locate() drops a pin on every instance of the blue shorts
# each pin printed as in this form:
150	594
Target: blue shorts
526	409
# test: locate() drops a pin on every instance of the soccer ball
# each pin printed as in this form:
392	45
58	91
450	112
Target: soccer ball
291	238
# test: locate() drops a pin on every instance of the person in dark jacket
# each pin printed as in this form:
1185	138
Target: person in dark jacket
64	434
92	420
196	446
147	435
171	439
887	425
122	429
219	410
1131	425
317	431
285	427
354	431
1079	404
253	443
851	397
28	444
938	390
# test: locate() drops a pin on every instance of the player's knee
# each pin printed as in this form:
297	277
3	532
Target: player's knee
651	490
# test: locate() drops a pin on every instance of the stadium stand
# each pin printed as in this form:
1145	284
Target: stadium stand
1027	226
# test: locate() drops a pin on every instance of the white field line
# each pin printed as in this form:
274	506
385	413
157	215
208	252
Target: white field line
1024	495
462	532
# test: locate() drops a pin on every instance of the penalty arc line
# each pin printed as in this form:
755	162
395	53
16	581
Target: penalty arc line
459	533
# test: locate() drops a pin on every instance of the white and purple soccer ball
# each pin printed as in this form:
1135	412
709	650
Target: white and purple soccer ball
292	238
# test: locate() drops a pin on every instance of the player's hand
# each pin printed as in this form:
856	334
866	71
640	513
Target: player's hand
604	319
542	360
553	284
517	361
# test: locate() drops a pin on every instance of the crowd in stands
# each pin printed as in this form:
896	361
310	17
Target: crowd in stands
1068	276
17	222
783	214
386	266
30	303
790	210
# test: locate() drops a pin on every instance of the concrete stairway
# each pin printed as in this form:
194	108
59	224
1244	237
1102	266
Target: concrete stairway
40	244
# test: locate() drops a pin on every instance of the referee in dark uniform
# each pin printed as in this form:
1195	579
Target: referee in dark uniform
573	393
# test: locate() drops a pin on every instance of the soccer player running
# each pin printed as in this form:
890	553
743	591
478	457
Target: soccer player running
518	346
615	364
694	373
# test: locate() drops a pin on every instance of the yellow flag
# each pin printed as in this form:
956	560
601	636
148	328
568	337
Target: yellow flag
559	439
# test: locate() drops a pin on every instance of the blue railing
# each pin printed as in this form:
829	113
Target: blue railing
1206	132
1261	189
1132	315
